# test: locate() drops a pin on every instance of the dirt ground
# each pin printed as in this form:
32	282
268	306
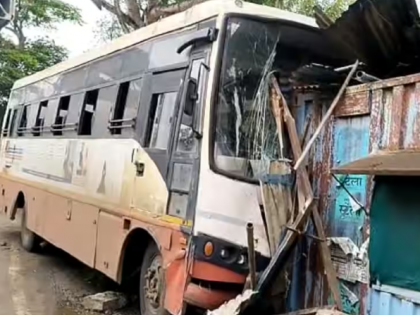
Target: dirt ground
49	283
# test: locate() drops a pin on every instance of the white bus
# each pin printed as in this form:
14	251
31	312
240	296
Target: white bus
139	158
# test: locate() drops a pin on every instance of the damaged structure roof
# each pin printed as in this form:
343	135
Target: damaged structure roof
383	34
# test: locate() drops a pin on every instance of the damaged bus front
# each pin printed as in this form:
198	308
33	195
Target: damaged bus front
240	132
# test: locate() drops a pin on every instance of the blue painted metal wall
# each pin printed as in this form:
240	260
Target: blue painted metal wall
383	303
346	138
350	137
350	142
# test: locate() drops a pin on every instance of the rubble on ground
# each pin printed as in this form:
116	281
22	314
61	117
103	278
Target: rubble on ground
105	301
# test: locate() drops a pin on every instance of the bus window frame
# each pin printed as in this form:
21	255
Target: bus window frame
82	71
7	122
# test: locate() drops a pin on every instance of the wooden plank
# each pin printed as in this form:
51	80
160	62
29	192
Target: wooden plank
303	179
353	104
276	196
396	118
283	252
281	194
278	117
270	215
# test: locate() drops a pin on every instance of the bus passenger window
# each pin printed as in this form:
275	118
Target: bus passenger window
23	121
7	123
159	124
60	119
86	117
119	108
13	124
40	118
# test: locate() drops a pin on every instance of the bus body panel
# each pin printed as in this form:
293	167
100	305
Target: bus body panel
99	168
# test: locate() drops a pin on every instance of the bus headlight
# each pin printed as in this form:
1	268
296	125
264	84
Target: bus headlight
241	259
224	253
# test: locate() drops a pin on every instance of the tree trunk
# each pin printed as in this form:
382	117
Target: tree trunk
132	19
133	10
161	12
125	21
120	17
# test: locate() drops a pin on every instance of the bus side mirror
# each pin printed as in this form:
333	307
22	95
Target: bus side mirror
191	97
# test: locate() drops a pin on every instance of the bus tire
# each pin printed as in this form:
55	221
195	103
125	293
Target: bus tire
152	283
29	240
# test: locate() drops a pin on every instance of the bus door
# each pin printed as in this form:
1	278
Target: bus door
184	164
159	107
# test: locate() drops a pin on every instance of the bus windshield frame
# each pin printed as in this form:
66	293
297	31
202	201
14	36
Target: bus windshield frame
243	136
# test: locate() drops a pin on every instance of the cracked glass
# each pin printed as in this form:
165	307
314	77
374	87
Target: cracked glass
245	132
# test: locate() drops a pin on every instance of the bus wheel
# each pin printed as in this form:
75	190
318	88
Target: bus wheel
29	240
152	283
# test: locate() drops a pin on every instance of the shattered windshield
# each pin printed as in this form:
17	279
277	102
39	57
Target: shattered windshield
246	137
245	132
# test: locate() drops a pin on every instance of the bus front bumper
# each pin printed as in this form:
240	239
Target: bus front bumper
208	299
210	285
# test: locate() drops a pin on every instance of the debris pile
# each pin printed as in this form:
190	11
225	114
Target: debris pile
105	301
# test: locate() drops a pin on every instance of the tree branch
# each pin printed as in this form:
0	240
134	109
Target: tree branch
120	17
125	21
133	10
158	13
11	29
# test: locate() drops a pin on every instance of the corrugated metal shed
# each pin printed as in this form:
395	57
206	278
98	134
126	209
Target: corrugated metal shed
384	34
386	303
381	116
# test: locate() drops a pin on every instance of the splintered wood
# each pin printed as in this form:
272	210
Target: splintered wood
277	202
275	190
305	198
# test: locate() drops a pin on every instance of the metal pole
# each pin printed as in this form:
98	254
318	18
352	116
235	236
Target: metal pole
364	77
251	256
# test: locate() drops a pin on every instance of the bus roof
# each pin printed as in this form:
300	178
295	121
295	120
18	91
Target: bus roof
195	14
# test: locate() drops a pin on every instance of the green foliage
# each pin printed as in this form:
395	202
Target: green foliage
16	63
46	13
22	57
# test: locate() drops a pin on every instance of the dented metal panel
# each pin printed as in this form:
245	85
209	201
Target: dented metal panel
396	117
384	303
345	138
350	142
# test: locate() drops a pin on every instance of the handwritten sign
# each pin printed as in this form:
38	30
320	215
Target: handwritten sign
348	208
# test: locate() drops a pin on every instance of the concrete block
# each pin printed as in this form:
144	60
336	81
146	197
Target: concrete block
105	301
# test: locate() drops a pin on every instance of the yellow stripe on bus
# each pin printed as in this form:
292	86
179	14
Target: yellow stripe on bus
175	220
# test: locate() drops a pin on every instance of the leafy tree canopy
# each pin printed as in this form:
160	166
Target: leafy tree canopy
19	56
43	14
16	63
